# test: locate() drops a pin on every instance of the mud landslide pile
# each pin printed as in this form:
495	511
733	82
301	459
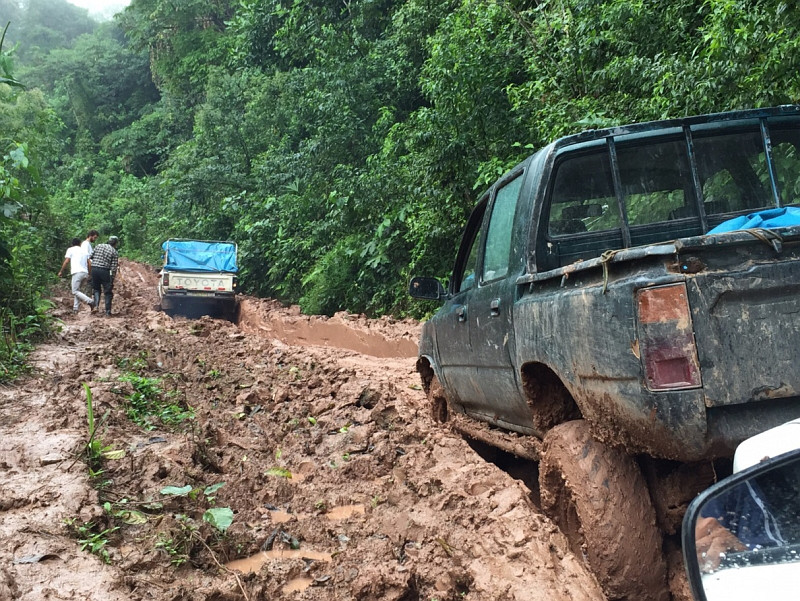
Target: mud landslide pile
283	457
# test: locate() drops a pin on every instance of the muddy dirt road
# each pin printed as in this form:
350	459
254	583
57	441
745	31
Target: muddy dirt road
283	457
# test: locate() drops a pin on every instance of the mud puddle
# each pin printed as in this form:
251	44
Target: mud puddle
253	563
344	512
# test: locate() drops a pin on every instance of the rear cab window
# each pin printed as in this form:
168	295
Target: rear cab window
634	190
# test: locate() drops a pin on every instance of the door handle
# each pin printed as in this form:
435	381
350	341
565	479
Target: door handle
462	313
494	307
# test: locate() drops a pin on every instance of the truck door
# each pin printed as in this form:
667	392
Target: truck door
456	358
491	331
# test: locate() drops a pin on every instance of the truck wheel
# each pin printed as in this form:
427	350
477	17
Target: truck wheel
437	401
598	497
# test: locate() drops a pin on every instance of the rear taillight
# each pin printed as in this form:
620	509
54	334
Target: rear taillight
166	280
666	338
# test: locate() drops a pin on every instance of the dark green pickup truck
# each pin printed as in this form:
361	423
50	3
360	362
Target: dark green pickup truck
590	307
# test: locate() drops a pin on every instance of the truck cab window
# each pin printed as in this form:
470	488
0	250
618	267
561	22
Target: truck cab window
467	258
468	277
498	236
786	155
733	172
583	197
656	181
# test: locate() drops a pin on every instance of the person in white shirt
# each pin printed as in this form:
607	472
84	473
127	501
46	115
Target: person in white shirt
79	268
86	245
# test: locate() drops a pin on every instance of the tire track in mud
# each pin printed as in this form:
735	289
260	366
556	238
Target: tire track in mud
382	502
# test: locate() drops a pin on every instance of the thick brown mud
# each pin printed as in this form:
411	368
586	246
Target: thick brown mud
339	483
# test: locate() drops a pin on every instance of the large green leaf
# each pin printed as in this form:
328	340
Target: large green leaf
177	491
219	517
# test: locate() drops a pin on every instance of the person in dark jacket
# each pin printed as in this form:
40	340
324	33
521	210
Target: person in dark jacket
105	265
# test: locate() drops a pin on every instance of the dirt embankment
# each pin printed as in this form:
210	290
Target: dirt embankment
312	434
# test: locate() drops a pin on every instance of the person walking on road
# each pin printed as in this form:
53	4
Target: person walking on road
105	264
79	268
86	245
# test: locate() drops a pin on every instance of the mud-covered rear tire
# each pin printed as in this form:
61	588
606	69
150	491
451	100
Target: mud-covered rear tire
598	497
437	401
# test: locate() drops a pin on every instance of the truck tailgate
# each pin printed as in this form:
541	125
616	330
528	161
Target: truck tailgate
209	283
745	304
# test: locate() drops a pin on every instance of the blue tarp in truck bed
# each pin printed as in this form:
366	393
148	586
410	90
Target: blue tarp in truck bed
766	219
199	256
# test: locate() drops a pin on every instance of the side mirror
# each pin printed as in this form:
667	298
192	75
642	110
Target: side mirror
427	289
741	537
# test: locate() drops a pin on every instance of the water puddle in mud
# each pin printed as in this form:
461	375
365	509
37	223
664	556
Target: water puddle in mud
254	562
335	332
279	516
344	512
296	585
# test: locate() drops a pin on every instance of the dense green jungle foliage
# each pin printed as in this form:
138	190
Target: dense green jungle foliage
341	144
27	230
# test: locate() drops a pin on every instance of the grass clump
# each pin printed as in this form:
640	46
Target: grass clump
18	335
91	538
148	405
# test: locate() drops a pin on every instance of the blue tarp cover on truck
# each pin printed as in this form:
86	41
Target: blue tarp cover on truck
200	256
767	219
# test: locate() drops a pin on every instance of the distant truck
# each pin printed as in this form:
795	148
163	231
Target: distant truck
590	309
199	278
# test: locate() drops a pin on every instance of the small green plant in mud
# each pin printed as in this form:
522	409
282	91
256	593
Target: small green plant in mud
91	539
148	403
136	363
177	548
179	543
192	492
95	451
219	517
120	510
174	548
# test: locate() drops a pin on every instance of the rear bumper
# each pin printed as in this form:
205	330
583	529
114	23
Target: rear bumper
732	424
677	425
199	294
